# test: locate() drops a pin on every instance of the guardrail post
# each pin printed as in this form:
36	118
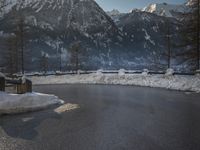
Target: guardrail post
28	86
2	83
197	72
24	87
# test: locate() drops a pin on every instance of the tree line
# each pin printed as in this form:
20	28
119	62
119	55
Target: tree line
190	38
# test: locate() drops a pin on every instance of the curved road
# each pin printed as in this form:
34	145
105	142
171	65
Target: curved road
109	118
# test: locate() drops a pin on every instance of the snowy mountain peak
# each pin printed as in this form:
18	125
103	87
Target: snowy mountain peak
113	12
165	9
190	3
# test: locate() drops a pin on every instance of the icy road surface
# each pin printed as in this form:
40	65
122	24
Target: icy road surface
106	117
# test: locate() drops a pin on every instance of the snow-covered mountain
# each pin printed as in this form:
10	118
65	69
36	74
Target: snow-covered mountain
191	2
55	24
146	34
111	40
115	14
167	10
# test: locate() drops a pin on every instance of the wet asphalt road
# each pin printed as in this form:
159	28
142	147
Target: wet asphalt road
109	118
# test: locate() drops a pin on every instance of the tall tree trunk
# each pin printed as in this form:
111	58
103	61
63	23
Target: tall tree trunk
77	60
198	35
21	28
60	65
169	46
168	38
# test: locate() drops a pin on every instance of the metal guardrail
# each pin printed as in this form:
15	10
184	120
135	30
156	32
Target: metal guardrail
107	72
27	85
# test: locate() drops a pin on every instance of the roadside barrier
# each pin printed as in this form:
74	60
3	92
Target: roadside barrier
22	86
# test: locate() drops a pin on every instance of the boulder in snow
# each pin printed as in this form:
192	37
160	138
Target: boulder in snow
58	73
122	72
79	72
99	72
145	72
169	72
197	72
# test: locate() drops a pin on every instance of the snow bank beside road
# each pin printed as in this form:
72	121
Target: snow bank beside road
14	103
176	82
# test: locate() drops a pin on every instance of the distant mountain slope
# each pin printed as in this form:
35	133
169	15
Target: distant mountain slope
55	24
164	9
111	40
113	12
146	35
115	15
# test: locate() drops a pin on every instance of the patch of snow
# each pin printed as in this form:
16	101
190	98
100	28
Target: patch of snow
148	37
40	8
27	119
165	9
155	28
2	75
14	103
79	71
145	72
176	82
169	72
24	78
45	25
121	72
197	72
66	108
99	72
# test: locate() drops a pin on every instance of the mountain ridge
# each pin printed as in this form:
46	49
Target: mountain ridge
165	9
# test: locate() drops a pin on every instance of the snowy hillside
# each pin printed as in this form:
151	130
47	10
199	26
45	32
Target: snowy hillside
111	40
36	4
145	34
164	9
55	24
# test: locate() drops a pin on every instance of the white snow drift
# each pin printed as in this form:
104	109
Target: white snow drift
169	81
14	103
66	107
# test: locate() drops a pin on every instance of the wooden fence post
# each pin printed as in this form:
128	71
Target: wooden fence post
28	86
24	87
2	84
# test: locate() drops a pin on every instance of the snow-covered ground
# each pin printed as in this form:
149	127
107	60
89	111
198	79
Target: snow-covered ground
14	103
175	82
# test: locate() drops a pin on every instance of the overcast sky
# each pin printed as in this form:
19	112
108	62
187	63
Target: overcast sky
127	5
